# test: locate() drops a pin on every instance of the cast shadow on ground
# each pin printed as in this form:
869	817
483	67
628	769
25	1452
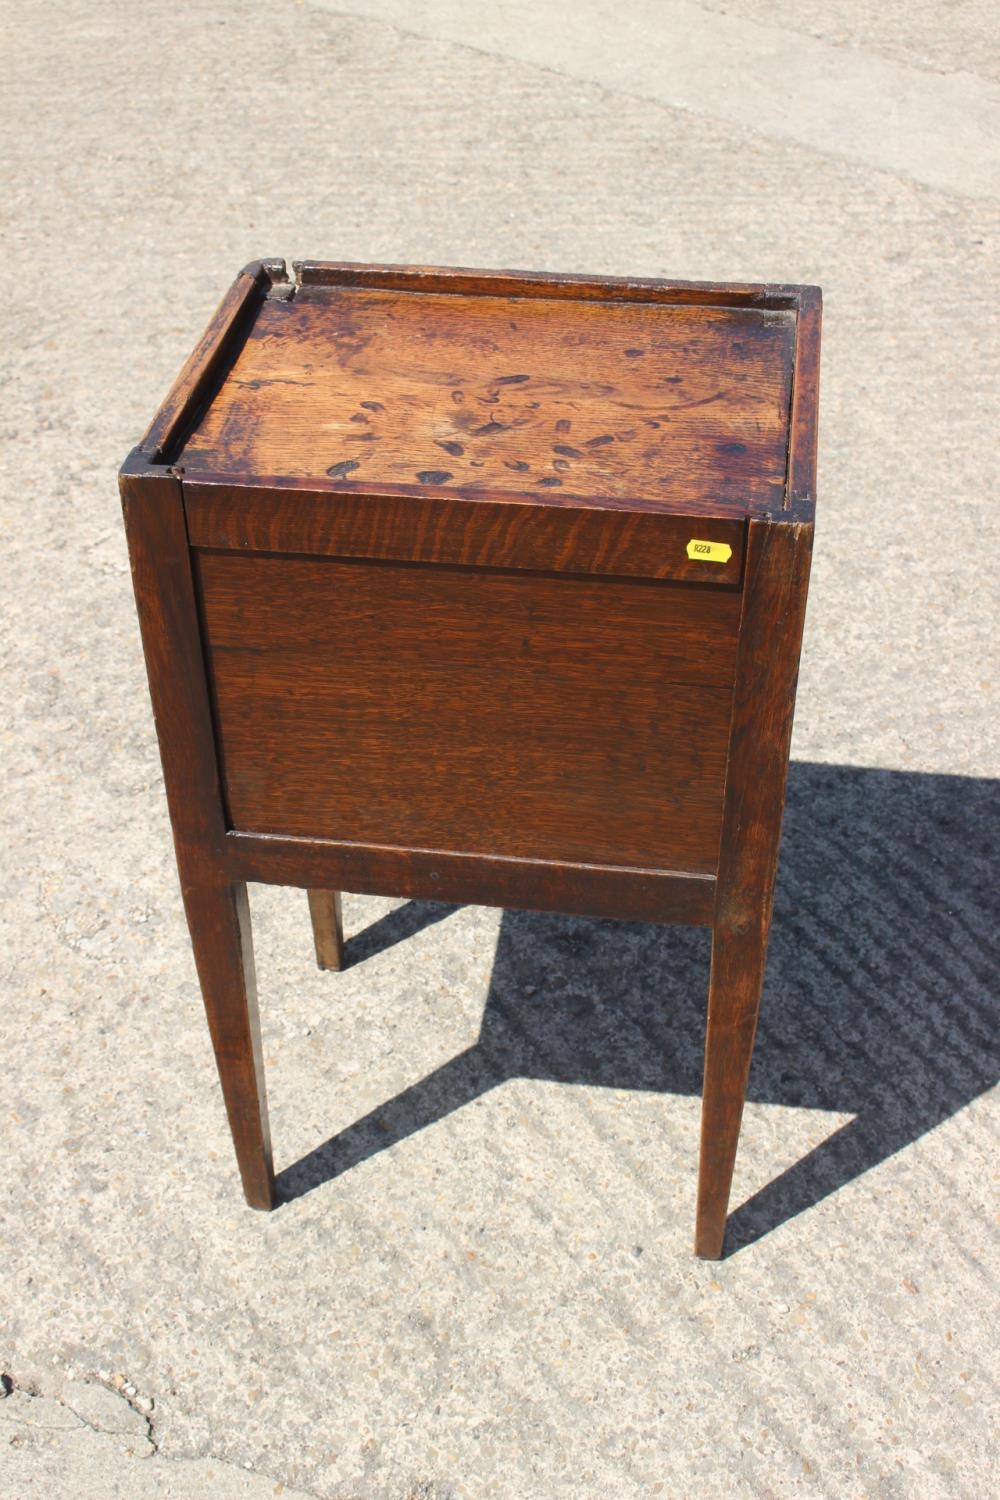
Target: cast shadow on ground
880	999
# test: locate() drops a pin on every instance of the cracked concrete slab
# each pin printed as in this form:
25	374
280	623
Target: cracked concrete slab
51	1448
481	1283
106	1410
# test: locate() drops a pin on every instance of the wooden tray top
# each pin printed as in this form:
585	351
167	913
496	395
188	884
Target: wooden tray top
560	391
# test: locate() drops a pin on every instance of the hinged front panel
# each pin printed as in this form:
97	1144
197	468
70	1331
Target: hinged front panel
553	718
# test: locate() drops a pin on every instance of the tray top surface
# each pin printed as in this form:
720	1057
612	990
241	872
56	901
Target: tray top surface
559	399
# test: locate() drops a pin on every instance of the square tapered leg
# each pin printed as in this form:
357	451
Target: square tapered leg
325	910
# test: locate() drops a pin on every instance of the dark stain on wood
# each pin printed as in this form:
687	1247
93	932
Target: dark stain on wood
701	401
434	476
345	467
433	353
455	449
517	464
550	481
567	451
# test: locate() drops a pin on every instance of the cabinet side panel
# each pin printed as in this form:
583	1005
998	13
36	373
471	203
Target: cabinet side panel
535	717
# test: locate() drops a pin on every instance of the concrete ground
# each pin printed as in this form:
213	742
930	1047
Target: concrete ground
498	1299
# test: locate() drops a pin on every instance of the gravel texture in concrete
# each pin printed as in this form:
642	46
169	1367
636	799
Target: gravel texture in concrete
482	1283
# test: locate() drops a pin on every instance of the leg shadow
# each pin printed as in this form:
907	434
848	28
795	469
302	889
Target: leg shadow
881	995
880	998
404	922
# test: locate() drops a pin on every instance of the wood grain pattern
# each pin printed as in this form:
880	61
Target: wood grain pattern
584	890
467	281
210	359
777	579
215	904
481	533
523	715
508	395
804	418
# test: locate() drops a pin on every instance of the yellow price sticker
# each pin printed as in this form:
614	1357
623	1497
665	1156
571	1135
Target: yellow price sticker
718	552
